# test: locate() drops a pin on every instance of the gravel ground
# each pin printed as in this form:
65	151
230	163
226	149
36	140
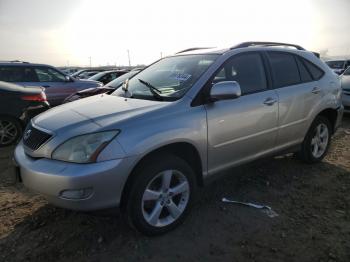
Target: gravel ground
312	202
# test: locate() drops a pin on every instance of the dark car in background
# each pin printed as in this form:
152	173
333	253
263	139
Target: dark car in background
108	88
18	105
57	85
107	76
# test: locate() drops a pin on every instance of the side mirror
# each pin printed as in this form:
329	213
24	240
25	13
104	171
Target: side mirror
225	90
69	79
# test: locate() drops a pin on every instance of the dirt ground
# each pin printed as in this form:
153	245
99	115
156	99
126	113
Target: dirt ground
312	201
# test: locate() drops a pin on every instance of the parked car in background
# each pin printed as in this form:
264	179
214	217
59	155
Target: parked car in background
86	73
107	76
18	105
338	66
57	85
108	88
345	83
176	125
69	71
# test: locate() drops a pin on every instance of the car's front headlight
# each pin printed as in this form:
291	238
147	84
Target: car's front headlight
84	148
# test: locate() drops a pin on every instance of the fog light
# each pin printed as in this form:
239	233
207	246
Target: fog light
82	193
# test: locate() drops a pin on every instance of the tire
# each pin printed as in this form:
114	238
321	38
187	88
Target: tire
10	131
313	139
152	209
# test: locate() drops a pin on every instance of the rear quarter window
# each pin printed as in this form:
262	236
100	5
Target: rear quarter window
314	70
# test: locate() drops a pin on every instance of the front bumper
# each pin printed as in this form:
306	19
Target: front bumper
50	178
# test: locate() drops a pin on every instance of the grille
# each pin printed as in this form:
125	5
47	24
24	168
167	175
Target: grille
33	138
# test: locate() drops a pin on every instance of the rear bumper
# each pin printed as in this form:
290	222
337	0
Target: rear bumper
33	111
104	181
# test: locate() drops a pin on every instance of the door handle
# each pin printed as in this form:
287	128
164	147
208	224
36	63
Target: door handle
270	101
316	90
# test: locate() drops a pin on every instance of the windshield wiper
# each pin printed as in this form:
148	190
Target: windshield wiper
155	91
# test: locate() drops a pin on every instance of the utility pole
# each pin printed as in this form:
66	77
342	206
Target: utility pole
129	57
161	54
90	60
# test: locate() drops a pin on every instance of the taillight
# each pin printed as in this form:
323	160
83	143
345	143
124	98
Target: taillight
41	97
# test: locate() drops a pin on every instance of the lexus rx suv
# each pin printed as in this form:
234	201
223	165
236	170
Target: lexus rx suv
176	125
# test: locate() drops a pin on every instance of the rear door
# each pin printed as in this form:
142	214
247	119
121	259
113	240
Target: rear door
246	127
295	81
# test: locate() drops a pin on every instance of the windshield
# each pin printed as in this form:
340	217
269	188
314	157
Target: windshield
167	79
336	64
119	80
97	76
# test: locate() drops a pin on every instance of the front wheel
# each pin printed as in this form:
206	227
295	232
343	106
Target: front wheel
161	195
317	141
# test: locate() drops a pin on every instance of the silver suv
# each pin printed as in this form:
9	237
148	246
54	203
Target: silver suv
175	125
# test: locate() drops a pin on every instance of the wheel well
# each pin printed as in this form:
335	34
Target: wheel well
185	151
331	115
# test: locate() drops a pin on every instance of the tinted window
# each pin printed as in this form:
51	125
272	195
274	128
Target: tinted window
316	72
17	74
247	70
46	74
284	69
304	73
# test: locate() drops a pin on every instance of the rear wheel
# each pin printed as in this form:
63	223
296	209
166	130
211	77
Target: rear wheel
161	195
10	131
317	141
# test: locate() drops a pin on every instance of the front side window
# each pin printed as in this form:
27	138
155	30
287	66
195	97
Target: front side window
167	79
247	70
46	74
284	69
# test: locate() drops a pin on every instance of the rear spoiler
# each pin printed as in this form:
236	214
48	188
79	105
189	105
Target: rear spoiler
316	54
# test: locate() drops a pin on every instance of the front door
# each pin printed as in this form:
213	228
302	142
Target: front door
244	128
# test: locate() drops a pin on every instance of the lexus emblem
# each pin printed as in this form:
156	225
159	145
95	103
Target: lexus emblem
27	134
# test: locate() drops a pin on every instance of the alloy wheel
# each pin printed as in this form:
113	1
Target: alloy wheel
165	198
319	141
8	132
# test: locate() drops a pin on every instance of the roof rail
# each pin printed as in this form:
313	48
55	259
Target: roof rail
192	49
248	44
14	61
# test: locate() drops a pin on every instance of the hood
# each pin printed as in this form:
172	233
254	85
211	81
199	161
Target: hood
96	113
345	82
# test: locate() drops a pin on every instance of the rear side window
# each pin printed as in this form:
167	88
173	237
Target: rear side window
314	70
304	72
17	74
247	70
284	69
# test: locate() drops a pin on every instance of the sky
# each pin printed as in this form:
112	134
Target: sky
71	32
